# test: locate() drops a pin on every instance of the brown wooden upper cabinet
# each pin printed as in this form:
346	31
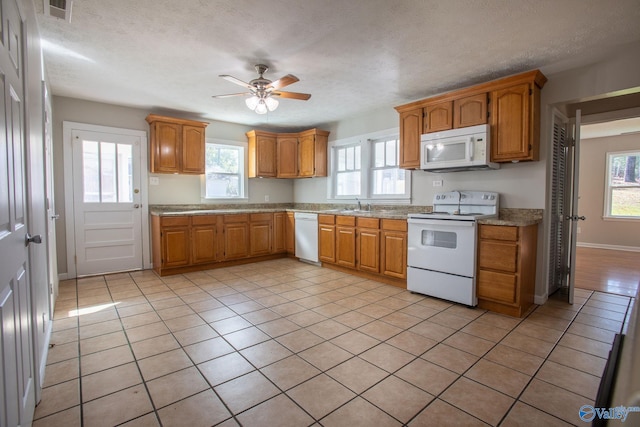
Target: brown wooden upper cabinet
288	155
262	154
438	116
510	105
176	145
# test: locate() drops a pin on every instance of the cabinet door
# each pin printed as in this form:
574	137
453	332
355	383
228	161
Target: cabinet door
368	250
438	116
279	232
203	241
192	149
394	254
410	132
287	164
236	240
165	147
327	243
470	111
306	156
266	156
346	246
175	246
291	233
496	286
510	124
260	238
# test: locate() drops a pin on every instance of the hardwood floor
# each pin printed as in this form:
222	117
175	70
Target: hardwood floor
615	272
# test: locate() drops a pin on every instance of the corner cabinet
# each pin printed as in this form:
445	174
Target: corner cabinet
510	105
288	155
507	268
176	145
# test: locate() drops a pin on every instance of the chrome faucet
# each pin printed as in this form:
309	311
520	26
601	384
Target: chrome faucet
368	207
359	204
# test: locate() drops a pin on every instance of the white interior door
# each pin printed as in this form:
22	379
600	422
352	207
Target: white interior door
17	392
573	216
107	202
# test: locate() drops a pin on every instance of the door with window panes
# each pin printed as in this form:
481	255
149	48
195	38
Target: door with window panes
107	210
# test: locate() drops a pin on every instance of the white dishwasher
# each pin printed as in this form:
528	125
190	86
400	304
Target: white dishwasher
306	236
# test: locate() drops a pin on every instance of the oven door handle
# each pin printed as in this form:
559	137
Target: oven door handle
441	222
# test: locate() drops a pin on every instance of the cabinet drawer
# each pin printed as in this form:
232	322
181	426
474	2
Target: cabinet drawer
394	224
203	219
261	217
236	218
368	222
326	219
498	255
498	232
170	221
346	220
497	286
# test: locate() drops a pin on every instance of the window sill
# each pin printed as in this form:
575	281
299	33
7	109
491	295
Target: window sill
225	200
621	218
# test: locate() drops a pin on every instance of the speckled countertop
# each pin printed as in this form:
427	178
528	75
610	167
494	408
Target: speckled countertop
511	217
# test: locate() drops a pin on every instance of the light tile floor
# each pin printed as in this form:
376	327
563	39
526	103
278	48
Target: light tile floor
283	343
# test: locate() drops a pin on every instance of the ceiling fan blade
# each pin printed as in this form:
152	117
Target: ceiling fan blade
236	81
291	95
283	81
232	94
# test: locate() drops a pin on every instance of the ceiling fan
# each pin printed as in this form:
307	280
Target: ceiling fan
262	92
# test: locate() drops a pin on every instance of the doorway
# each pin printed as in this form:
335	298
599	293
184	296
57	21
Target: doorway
608	241
107	225
569	216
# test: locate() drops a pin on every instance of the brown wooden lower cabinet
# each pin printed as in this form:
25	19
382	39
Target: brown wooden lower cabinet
327	238
377	247
346	241
393	258
184	243
290	234
507	268
279	232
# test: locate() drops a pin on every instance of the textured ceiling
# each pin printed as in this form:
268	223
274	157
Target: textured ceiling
352	56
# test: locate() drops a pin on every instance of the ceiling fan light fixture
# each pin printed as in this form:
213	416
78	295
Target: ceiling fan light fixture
261	108
252	102
272	104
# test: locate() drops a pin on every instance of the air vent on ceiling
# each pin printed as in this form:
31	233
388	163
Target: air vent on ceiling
60	9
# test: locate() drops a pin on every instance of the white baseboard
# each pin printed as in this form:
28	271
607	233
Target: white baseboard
63	276
540	299
611	247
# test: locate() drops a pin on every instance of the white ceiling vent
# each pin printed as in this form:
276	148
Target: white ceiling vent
60	9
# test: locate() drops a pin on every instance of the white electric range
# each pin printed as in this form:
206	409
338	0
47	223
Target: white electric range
441	254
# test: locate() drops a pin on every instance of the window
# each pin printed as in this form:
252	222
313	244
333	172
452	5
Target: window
348	171
107	172
387	178
366	167
225	176
622	199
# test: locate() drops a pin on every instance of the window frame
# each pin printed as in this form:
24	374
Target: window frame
373	169
334	176
365	142
243	166
608	188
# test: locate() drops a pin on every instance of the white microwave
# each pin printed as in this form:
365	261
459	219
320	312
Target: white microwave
456	150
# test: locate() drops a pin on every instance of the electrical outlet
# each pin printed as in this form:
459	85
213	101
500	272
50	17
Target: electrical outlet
266	197
437	183
154	180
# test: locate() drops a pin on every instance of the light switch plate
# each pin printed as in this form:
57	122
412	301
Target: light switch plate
437	183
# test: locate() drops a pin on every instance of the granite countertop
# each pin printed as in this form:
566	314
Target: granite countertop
508	217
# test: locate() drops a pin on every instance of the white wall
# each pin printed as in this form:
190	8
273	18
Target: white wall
173	189
595	231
